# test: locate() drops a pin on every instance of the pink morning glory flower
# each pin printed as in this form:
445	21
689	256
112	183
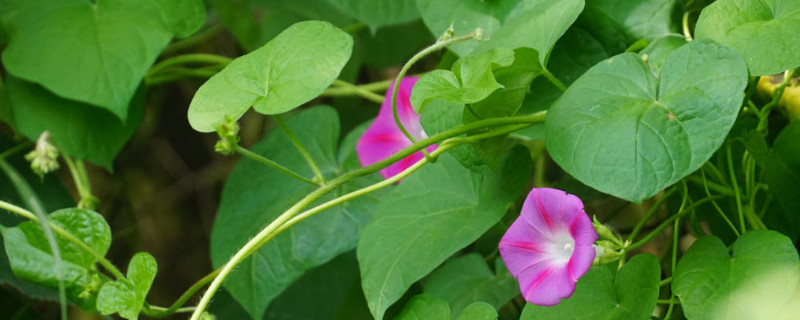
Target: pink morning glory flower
549	246
384	138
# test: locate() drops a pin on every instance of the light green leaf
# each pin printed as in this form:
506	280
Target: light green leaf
714	285
515	80
31	258
536	24
80	130
643	19
425	307
428	217
126	297
599	295
378	13
478	311
782	174
466	280
625	132
764	32
470	81
93	52
250	200
287	72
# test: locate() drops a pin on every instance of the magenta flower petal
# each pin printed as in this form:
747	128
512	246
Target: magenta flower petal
383	138
549	246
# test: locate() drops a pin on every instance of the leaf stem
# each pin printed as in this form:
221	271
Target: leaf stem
159	312
186	59
264	160
665	223
346	89
552	78
675	235
732	173
650	213
716	206
81	179
302	149
269	231
686	32
193	40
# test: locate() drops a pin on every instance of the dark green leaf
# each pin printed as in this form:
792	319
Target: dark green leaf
126	297
31	258
93	52
782	174
250	201
764	32
599	295
425	307
643	19
393	45
428	217
468	279
290	70
536	24
762	272
80	130
381	12
622	131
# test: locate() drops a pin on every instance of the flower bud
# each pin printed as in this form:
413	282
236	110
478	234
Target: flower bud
228	137
448	34
44	157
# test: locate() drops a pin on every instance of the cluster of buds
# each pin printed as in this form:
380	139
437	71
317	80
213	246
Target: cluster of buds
228	137
44	157
610	247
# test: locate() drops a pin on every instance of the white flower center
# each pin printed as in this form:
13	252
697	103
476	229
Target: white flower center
561	247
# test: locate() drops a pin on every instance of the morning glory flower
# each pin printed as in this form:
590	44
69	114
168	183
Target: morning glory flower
384	138
549	246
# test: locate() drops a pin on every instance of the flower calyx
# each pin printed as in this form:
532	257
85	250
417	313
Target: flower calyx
228	133
44	157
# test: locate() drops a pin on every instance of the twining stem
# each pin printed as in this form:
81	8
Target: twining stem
259	158
552	78
346	88
177	73
718	188
300	148
685	23
650	213
675	235
716	206
186	59
667	222
159	312
477	34
270	230
776	97
27	195
81	179
193	40
665	282
735	187
15	149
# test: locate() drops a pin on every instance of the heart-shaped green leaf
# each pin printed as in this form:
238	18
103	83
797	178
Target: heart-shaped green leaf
428	217
711	284
126	296
92	51
31	259
599	295
641	19
764	32
624	131
291	69
535	24
377	13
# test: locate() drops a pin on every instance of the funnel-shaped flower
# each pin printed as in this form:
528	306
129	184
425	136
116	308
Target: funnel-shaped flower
549	246
384	138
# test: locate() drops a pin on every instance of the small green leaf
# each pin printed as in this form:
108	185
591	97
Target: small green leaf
764	32
250	200
31	258
381	12
80	130
93	52
782	174
504	23
466	280
126	296
714	285
599	295
425	307
288	71
478	311
428	217
470	81
625	132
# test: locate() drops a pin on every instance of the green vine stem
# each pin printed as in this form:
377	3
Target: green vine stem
191	58
675	235
440	44
732	173
193	40
159	312
344	88
27	195
267	232
669	221
685	26
776	97
552	78
716	206
318	176
81	179
264	160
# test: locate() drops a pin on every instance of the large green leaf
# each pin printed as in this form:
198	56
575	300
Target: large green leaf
535	24
600	295
624	131
92	51
428	217
425	307
782	174
250	200
468	279
80	130
764	32
288	71
712	284
377	13
643	19
126	296
478	311
31	258
254	22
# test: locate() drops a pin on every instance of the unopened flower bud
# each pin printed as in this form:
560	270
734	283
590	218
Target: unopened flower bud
44	157
228	136
448	34
604	232
478	34
605	252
